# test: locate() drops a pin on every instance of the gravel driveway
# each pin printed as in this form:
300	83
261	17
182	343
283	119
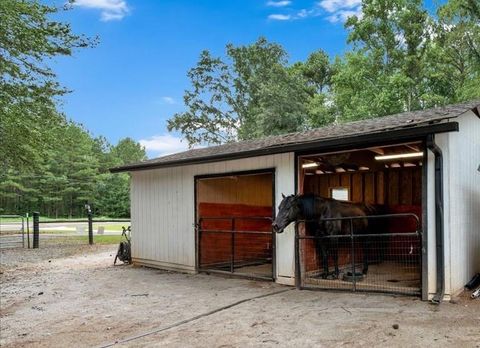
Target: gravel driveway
73	296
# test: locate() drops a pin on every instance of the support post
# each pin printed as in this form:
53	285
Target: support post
36	229
90	227
23	232
28	232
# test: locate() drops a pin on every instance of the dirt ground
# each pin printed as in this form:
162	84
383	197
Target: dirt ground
71	296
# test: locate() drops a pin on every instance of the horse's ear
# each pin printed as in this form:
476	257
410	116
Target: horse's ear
283	196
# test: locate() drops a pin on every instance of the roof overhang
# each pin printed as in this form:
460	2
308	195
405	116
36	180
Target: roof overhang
416	132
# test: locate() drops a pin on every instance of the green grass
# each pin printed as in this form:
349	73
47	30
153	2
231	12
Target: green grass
84	240
9	219
111	227
106	239
53	232
47	219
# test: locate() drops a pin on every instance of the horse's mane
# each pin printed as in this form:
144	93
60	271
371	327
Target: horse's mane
307	204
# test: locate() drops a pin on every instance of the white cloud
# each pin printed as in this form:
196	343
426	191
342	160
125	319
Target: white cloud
279	17
162	145
335	5
278	3
111	10
343	15
168	100
302	13
341	10
335	11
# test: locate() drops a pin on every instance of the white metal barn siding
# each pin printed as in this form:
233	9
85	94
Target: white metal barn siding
163	212
463	197
461	158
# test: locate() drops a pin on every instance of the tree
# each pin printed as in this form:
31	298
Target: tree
73	173
28	87
249	96
404	59
317	72
128	151
456	49
113	190
383	74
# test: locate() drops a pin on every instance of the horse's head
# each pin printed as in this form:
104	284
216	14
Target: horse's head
288	211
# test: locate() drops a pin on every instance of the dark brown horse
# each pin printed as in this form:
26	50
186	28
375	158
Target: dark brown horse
314	210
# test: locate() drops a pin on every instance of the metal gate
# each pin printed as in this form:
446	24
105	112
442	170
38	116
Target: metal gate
230	245
12	231
393	259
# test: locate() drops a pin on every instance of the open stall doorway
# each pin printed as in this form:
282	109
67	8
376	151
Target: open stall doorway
386	182
234	214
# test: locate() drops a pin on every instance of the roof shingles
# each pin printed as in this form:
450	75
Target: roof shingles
363	127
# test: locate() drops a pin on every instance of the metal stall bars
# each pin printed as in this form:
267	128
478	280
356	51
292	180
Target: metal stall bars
242	246
393	259
12	231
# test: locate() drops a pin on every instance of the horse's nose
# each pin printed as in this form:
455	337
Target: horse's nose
275	227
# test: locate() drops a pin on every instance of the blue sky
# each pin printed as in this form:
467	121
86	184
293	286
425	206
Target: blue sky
133	81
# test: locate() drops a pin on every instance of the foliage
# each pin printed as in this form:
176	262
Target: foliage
249	95
71	174
48	163
402	59
29	38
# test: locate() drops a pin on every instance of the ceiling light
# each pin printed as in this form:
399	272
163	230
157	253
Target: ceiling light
310	165
364	168
400	155
319	172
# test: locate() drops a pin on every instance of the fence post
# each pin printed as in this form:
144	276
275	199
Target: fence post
28	231
23	232
90	227
36	229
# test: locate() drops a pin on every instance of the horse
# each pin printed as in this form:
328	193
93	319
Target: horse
313	210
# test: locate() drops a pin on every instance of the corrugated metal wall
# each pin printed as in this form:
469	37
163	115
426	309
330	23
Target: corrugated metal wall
163	211
461	155
464	201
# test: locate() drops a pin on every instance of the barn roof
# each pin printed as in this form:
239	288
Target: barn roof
399	126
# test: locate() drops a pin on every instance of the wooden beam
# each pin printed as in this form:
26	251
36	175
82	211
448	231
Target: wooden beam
377	150
413	147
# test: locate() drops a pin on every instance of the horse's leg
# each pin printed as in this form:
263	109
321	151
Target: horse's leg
335	256
333	229
324	260
322	251
365	255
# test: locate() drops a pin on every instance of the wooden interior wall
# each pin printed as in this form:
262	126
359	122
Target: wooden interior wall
240	197
216	247
396	190
399	186
245	189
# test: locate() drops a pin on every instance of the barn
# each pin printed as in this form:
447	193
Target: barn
211	209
